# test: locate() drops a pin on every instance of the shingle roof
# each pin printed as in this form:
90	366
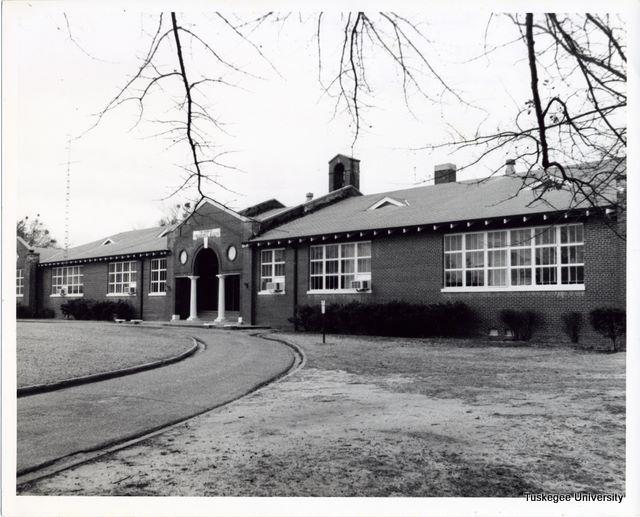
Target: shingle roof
43	252
46	253
270	213
124	243
500	196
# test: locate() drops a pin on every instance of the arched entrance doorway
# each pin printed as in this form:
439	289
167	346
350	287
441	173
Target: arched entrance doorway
206	267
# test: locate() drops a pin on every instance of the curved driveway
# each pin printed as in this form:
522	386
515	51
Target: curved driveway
89	417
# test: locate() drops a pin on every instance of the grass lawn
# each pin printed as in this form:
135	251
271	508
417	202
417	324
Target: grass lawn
391	417
53	351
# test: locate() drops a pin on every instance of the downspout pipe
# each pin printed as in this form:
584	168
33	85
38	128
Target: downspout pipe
295	288
142	282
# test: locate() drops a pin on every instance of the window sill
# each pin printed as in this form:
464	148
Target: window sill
19	295
518	288
157	294
120	295
66	296
338	291
267	293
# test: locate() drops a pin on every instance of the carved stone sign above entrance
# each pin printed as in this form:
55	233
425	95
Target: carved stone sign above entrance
200	234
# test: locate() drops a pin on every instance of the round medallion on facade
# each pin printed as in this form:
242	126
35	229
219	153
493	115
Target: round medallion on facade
183	257
232	253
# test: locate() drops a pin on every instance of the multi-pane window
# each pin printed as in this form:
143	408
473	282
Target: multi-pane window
474	258
497	260
518	258
546	256
158	275
572	254
335	266
19	282
66	280
122	277
271	267
453	258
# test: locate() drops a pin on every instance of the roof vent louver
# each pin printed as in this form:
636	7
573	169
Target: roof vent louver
385	202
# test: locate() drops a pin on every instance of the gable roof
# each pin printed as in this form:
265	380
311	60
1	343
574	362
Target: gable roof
46	253
270	213
493	197
124	243
43	252
257	210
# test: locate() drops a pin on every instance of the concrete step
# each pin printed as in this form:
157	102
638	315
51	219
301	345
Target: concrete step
231	316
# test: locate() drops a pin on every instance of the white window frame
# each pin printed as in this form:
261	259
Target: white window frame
19	282
558	245
357	274
158	285
70	277
271	263
117	288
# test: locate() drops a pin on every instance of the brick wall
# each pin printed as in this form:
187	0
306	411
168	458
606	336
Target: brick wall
155	307
28	263
232	233
95	287
409	267
276	309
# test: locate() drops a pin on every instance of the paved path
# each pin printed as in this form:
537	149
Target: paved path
82	418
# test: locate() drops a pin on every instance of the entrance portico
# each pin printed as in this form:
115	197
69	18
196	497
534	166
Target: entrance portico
211	294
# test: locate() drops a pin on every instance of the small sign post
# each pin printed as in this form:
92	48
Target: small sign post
322	311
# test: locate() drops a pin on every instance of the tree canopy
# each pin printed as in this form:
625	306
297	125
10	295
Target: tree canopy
35	233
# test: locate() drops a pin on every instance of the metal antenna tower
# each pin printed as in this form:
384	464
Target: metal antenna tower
67	199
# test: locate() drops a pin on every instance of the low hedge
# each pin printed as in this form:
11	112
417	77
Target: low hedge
25	312
521	323
389	319
80	309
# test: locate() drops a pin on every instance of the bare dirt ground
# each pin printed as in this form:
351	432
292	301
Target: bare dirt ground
383	417
54	351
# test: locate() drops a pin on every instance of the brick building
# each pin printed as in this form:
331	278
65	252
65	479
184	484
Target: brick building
492	244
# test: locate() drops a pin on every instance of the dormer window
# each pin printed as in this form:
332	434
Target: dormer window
385	202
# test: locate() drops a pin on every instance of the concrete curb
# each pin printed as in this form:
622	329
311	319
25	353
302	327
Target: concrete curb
212	325
25	391
302	359
66	462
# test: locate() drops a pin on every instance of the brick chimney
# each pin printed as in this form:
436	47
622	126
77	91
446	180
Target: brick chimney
510	167
444	173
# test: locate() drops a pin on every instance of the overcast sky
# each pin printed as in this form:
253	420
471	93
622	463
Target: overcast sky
280	125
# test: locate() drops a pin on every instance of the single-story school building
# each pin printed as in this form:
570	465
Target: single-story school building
490	243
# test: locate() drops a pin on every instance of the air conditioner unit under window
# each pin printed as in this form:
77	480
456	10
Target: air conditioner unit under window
275	286
132	288
361	285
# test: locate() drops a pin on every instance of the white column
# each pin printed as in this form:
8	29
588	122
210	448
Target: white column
221	317
193	305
